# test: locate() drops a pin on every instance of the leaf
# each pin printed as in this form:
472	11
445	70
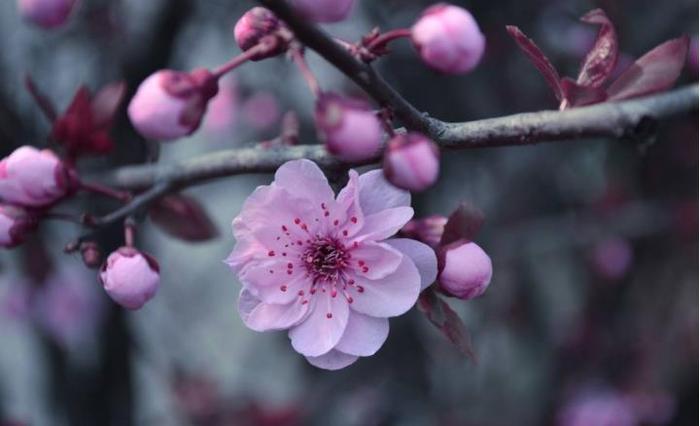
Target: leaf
602	58
40	98
656	71
447	321
183	217
463	224
578	95
106	102
538	59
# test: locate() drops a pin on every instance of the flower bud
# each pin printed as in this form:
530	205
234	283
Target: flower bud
15	224
91	254
448	39
427	230
412	162
130	277
349	128
46	13
465	270
33	178
253	26
323	10
170	104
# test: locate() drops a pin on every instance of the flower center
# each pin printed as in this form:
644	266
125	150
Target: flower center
325	259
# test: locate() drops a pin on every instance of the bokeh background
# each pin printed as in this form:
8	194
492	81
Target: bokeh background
594	301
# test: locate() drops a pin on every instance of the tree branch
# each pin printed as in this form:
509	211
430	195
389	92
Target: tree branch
630	118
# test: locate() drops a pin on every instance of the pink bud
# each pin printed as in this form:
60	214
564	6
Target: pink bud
412	162
324	10
428	229
130	277
465	270
253	26
349	128
33	178
448	39
15	224
46	13
170	104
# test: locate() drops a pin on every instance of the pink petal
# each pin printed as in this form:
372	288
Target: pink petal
333	360
318	334
269	273
375	260
351	217
377	194
364	335
391	296
303	179
259	316
244	251
422	256
380	226
286	292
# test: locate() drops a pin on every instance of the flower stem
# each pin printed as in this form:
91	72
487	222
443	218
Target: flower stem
300	61
129	231
265	45
386	38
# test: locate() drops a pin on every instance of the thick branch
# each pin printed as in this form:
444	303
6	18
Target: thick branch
621	119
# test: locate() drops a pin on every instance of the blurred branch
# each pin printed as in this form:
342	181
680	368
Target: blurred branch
622	119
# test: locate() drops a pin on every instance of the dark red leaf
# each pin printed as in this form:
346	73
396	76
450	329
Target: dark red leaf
447	321
40	98
183	217
656	71
577	95
80	105
106	102
463	224
602	58
538	59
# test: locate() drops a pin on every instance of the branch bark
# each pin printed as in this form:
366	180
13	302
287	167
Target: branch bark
632	118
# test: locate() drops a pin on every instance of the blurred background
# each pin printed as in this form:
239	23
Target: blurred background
593	307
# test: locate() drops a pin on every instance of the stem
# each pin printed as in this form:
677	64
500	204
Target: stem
129	231
264	46
300	61
97	188
384	116
386	38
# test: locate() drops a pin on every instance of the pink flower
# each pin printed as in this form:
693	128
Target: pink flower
253	26
33	178
15	223
325	267
46	13
324	10
130	277
448	39
465	270
170	104
412	162
348	127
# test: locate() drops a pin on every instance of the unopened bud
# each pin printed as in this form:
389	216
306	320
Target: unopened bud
465	270
15	224
254	25
324	10
46	13
427	229
33	178
91	253
130	277
412	162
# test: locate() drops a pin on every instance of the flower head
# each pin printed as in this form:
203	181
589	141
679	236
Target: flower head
130	277
349	128
448	39
325	267
46	13
412	162
33	178
324	10
170	104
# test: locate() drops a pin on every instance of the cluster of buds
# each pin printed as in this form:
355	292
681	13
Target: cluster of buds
464	268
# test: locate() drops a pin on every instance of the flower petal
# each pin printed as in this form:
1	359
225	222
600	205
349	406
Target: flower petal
318	334
380	226
259	316
333	360
390	296
303	179
422	256
350	216
286	292
374	260
377	194
364	335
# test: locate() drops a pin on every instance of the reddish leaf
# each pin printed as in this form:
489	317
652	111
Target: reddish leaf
106	102
602	58
447	321
40	98
463	224
654	72
538	59
183	217
578	95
